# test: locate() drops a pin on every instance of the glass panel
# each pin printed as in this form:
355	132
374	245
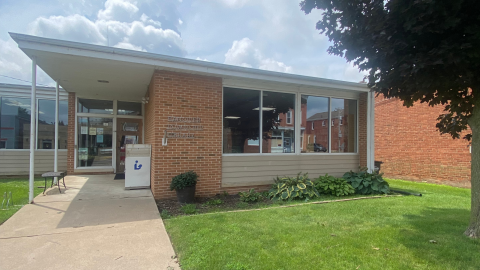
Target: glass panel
241	120
94	141
344	125
95	106
278	122
15	123
314	116
129	108
46	124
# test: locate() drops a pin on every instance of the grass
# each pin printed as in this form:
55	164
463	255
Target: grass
386	233
19	189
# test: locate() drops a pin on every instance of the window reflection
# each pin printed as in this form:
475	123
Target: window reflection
344	125
241	121
14	123
46	124
95	106
129	108
278	122
314	116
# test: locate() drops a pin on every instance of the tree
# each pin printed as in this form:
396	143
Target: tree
416	50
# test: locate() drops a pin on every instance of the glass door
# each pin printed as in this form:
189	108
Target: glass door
94	142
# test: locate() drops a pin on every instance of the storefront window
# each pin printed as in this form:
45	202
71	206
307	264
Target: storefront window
278	123
129	108
241	121
315	112
95	106
344	125
14	123
46	124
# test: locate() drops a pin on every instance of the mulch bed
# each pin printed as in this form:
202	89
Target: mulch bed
229	202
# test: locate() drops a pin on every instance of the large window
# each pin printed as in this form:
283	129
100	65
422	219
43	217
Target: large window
315	110
46	124
15	123
264	122
278	125
344	125
241	121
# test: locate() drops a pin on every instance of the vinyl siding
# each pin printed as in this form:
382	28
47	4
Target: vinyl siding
17	162
260	170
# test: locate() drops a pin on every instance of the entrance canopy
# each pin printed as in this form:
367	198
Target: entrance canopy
102	72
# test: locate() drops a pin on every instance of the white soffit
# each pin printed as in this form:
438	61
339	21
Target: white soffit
78	66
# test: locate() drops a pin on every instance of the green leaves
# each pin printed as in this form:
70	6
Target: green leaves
250	196
289	188
184	180
367	183
333	186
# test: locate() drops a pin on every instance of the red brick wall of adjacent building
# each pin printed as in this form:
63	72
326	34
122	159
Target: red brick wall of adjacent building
411	147
185	95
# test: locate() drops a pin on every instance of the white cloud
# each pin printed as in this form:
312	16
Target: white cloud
15	64
244	53
114	27
118	10
233	3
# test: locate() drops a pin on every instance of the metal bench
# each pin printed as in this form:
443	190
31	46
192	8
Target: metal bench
53	175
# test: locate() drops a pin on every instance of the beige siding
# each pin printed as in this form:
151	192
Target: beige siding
17	162
240	171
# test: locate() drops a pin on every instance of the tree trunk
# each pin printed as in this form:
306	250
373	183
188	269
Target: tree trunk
473	229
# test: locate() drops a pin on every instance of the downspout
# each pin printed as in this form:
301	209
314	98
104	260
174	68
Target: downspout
372	131
369	124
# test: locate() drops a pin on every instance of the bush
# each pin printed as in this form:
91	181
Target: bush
184	180
189	209
367	183
333	186
289	188
214	202
250	196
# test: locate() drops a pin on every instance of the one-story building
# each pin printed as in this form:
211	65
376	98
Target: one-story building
235	126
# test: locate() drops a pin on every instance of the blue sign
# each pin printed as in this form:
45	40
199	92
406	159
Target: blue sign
137	166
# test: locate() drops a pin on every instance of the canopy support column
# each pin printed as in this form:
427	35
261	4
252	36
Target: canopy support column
33	132
55	163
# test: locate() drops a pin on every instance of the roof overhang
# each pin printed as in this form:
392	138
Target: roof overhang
78	67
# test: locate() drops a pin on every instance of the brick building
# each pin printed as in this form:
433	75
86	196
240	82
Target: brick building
411	147
236	127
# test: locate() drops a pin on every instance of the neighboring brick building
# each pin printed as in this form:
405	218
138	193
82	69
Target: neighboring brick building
410	146
236	127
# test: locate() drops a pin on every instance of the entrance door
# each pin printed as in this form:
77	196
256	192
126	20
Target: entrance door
287	145
94	142
129	131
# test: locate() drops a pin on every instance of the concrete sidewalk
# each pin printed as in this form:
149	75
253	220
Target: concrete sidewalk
95	224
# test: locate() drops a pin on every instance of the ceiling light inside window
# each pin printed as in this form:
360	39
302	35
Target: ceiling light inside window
264	109
232	117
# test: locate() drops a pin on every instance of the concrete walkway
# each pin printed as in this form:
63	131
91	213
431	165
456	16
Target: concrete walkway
95	224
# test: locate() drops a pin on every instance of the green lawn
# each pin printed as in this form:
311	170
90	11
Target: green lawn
19	189
386	233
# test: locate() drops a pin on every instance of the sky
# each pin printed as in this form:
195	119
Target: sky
263	34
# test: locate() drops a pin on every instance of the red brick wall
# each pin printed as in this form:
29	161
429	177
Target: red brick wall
71	133
411	147
185	95
362	129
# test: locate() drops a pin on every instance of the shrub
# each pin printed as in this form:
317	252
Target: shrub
250	196
289	188
333	186
189	209
184	180
165	214
214	202
367	183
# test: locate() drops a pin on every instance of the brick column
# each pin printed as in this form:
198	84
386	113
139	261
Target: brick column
185	95
71	133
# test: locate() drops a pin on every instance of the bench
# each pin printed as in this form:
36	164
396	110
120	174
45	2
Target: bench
53	175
